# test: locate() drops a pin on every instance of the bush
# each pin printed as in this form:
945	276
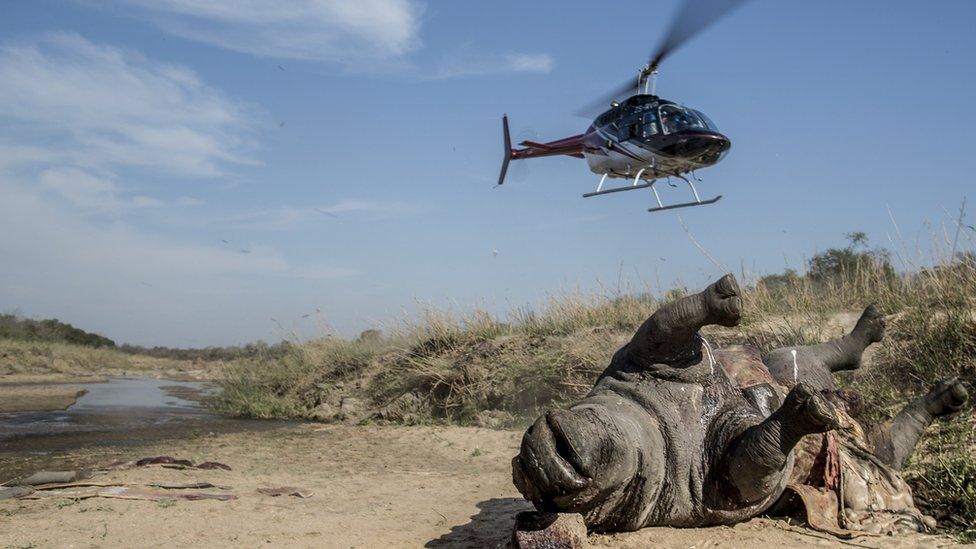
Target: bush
14	327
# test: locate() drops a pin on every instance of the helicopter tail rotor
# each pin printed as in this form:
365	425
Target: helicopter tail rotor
508	150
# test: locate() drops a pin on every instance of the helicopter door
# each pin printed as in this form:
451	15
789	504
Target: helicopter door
628	127
621	127
649	125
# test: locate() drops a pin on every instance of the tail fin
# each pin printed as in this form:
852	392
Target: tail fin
508	150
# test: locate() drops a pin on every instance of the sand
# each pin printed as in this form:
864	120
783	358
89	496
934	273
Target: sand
37	398
372	487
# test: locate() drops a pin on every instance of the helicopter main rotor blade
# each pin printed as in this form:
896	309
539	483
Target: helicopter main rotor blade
693	17
594	108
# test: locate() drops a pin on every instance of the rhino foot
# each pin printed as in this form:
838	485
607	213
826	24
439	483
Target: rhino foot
723	306
947	397
871	326
806	411
758	458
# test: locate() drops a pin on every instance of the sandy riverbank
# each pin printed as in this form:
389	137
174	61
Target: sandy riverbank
372	487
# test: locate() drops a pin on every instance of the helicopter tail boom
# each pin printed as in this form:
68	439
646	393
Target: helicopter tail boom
569	146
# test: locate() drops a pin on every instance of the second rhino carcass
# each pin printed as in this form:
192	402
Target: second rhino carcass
677	433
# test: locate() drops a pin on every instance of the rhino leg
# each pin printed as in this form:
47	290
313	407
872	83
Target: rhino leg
815	364
669	336
895	441
756	460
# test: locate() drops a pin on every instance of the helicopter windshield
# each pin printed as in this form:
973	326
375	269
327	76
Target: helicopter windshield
708	121
676	119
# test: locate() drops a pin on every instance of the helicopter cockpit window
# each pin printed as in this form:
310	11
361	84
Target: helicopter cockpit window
708	121
649	125
676	119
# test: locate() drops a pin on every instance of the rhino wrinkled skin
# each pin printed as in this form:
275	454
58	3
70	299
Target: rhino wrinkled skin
677	433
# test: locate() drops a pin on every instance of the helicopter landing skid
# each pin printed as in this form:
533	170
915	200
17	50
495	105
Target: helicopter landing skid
660	205
637	185
698	201
686	204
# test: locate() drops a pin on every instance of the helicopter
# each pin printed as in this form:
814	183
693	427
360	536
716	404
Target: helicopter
644	138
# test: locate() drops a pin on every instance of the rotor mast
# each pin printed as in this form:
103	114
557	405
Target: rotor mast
647	80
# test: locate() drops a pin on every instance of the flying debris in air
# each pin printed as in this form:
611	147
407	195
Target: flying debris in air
244	251
326	212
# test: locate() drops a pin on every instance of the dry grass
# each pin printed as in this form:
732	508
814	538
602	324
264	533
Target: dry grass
485	371
24	357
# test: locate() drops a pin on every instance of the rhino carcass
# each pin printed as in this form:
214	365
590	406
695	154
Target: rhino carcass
677	433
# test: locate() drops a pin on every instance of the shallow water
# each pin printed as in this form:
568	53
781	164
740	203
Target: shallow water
119	412
118	404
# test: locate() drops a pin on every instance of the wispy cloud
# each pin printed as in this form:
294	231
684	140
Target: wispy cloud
465	63
371	207
90	192
100	107
355	33
284	218
86	130
319	30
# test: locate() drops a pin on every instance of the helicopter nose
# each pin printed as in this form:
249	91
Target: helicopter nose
704	148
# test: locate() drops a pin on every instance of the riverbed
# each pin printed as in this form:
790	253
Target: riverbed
119	412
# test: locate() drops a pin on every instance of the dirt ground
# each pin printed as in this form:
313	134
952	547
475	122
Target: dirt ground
37	398
372	487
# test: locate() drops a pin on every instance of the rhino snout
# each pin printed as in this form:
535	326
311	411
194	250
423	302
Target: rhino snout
555	459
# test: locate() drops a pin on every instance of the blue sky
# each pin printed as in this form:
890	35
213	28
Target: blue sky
214	172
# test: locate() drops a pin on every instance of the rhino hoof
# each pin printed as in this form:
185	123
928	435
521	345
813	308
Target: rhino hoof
810	410
871	324
948	397
723	303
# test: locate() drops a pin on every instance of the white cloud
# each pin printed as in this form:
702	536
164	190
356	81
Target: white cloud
358	33
60	262
523	62
98	107
284	218
369	206
463	63
190	201
86	131
318	30
91	193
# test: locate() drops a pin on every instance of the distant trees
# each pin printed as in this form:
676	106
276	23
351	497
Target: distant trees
234	352
837	264
854	258
371	335
15	327
779	281
12	326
